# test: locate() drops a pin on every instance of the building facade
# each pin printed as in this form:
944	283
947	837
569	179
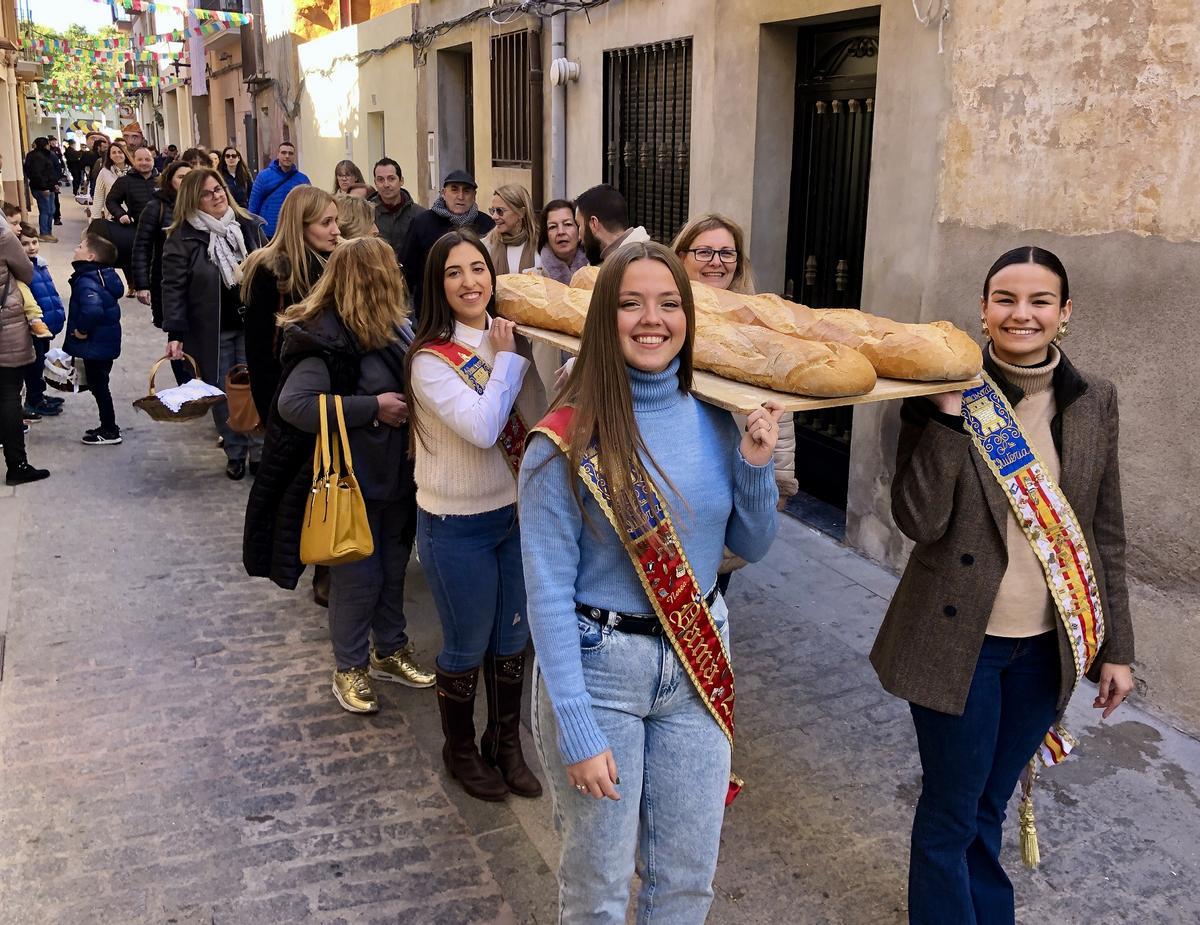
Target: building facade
877	161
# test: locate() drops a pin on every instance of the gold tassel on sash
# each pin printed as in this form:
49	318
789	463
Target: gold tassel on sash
1030	855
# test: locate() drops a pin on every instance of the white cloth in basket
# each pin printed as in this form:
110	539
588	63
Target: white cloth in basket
190	391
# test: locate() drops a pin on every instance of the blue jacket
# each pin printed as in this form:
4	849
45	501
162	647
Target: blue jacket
271	187
96	290
47	297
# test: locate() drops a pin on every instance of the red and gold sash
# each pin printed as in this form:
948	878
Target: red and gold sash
1053	531
670	584
475	372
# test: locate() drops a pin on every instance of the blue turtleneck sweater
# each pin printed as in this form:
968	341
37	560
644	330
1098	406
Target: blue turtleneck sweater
725	502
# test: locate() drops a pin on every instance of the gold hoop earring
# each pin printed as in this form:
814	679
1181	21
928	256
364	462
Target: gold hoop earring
984	329
1062	333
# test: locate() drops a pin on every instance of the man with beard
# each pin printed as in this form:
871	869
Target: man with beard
132	133
454	210
603	218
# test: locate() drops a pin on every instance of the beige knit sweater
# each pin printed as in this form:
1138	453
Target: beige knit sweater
455	477
1023	606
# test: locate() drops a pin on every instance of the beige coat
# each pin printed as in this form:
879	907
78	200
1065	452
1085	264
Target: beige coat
16	344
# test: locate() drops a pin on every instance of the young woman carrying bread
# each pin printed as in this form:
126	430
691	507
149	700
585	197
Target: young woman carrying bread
473	402
1016	586
630	490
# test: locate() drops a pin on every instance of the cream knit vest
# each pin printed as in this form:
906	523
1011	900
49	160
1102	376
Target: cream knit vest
455	477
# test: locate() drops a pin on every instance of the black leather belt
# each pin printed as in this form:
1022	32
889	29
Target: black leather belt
639	624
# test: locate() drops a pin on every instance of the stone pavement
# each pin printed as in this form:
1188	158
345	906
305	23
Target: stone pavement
170	751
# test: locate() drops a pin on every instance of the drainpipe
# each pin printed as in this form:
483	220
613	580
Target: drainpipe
537	108
558	110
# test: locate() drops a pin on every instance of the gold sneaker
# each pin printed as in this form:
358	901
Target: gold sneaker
402	668
353	691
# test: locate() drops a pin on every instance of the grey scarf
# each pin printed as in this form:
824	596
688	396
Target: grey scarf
439	207
226	244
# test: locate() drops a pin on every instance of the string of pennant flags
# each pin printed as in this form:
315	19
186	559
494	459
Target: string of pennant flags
178	6
126	82
124	43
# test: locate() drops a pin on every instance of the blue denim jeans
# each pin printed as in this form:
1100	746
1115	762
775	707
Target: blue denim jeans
673	761
970	765
366	598
237	446
45	204
473	566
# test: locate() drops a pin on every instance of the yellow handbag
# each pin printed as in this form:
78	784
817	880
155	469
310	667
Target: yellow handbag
335	529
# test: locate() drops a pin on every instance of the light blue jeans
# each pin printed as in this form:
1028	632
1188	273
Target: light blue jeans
673	761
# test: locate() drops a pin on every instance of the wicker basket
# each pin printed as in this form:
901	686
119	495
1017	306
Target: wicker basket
188	411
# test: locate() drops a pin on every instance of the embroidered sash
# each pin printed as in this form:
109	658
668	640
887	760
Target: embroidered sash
475	372
1050	525
670	584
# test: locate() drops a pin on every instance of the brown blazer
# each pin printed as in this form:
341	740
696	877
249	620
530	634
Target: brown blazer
946	499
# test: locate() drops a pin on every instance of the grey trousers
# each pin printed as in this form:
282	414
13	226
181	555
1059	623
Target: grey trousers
366	598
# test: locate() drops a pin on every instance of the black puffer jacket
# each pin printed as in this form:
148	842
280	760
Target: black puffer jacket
130	195
275	510
148	241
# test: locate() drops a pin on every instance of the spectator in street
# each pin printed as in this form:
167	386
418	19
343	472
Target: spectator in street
454	210
273	184
712	249
99	151
195	157
165	157
559	245
356	218
132	136
42	173
394	207
61	162
236	175
467	441
12	217
146	262
345	175
115	165
125	202
74	166
209	238
512	243
94	328
620	715
980	642
280	275
214	160
603	218
16	353
37	403
349	338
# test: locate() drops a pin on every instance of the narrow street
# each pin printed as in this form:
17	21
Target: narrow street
170	751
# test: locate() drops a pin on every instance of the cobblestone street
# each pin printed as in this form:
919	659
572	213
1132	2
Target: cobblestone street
170	751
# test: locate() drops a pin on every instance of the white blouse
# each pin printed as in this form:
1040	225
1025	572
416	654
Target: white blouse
476	418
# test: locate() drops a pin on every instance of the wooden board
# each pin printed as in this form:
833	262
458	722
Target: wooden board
738	396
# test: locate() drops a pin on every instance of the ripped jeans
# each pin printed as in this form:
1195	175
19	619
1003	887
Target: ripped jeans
472	564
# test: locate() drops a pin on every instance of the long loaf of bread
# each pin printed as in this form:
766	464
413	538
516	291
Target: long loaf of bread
541	302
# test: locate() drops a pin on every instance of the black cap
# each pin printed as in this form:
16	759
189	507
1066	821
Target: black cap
460	176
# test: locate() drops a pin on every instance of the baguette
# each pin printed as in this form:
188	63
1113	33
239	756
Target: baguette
759	356
541	302
585	277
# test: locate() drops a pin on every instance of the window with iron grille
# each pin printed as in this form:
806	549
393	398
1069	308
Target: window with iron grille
648	132
512	136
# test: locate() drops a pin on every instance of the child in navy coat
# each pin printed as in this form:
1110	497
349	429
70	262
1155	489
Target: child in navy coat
37	403
94	327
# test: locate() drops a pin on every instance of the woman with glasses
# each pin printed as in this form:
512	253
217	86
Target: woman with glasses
713	250
346	176
210	237
511	242
236	175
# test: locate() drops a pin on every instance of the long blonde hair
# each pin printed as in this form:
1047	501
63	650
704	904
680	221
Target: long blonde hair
743	276
518	199
187	200
362	283
599	391
286	256
355	216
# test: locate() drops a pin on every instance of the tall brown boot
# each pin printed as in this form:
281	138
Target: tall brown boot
456	703
501	746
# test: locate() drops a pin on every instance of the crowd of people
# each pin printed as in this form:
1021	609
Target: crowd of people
591	513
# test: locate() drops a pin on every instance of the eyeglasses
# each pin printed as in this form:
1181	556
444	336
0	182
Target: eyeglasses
233	157
211	193
497	211
706	254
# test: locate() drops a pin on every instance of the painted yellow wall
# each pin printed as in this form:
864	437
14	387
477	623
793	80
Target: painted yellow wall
340	96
